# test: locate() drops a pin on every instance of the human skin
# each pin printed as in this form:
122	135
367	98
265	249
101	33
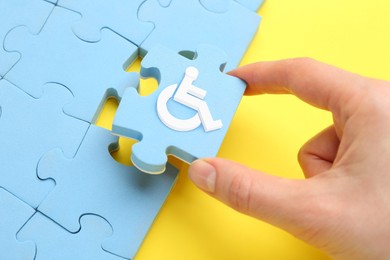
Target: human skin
343	205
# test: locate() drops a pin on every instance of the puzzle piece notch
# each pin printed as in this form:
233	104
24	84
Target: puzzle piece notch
94	183
195	25
121	16
31	13
13	215
55	50
26	135
156	139
54	242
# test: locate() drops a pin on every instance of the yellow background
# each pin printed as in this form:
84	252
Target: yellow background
267	130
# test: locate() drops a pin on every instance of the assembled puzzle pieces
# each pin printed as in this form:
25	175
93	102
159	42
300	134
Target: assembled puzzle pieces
59	62
120	16
14	213
94	183
216	97
29	128
54	242
91	71
231	31
31	13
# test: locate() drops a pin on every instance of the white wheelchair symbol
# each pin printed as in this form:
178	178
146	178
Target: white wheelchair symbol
190	96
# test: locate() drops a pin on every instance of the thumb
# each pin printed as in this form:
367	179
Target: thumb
289	204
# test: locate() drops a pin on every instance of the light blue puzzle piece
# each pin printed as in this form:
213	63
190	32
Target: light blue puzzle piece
54	242
31	13
224	93
94	183
28	129
231	31
221	6
14	213
91	71
120	16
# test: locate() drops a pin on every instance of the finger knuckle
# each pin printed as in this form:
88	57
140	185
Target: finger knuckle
302	155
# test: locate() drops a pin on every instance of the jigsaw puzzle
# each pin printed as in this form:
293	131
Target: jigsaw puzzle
158	138
62	195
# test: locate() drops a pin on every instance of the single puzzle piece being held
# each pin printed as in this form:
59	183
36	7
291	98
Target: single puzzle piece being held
193	95
94	183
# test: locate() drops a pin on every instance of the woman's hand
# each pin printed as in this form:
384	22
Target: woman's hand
343	205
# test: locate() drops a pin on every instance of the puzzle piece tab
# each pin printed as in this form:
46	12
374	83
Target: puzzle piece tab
121	16
231	31
31	13
224	93
54	242
94	183
91	71
13	215
29	128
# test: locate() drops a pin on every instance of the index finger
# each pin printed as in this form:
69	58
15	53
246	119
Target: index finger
316	83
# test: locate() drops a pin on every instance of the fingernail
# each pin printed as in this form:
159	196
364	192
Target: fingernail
203	175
